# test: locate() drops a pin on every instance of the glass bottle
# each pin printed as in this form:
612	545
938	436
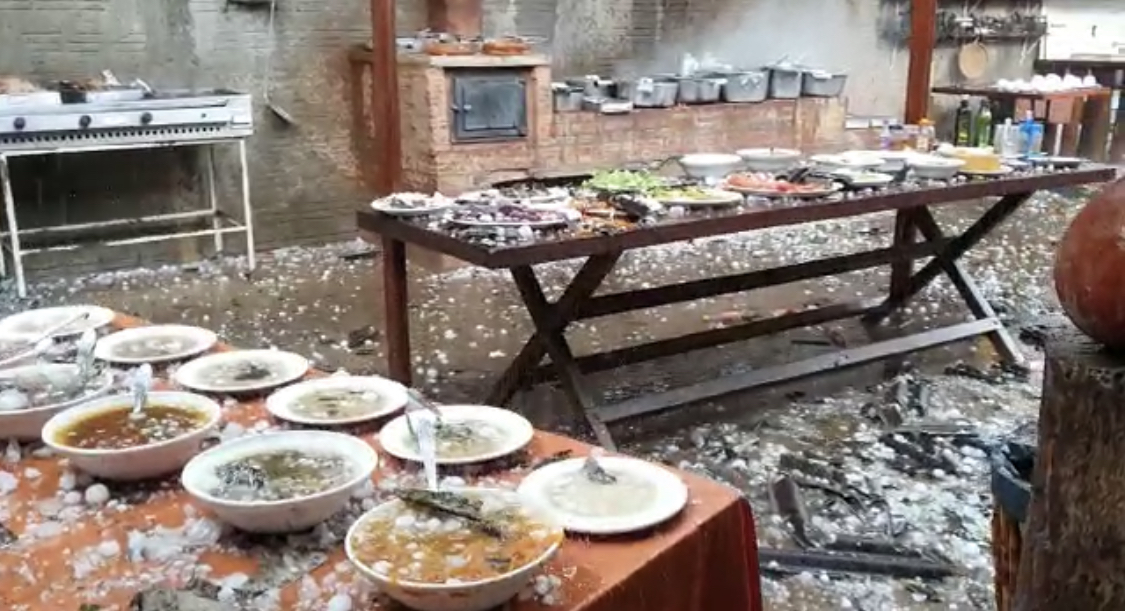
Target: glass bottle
982	132
963	124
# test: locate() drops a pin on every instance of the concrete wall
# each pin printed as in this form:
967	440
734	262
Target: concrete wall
307	179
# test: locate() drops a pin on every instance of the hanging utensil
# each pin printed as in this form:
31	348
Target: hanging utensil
972	60
267	85
423	419
140	384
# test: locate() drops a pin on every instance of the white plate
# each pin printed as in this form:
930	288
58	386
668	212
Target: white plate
560	221
670	495
391	397
776	195
517	432
25	424
719	198
34	323
382	205
1003	171
285	367
190	341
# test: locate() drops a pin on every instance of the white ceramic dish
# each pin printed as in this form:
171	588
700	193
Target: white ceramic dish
34	323
769	159
864	179
1057	162
553	221
27	424
19	351
389	397
713	166
171	343
717	197
289	515
516	432
669	495
141	462
1003	171
285	367
825	192
467	596
934	167
431	205
847	161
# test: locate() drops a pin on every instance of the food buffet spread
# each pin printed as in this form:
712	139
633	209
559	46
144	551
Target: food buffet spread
151	487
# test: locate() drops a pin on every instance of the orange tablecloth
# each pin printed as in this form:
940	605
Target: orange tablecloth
705	559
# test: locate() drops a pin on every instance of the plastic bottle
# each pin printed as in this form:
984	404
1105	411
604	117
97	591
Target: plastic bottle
963	124
885	136
1027	134
926	136
982	133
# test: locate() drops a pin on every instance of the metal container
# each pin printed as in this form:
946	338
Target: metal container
700	90
649	92
566	98
822	84
593	86
785	82
746	87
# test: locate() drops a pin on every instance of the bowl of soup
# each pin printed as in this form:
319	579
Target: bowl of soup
31	395
280	482
105	438
431	560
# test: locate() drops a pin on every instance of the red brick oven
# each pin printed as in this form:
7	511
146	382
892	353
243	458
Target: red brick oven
449	146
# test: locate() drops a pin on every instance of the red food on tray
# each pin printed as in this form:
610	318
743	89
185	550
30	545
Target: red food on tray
767	183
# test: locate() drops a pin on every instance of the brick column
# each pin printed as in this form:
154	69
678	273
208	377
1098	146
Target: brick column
461	17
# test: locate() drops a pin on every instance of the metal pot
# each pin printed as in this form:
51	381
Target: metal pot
649	92
821	84
566	98
751	86
700	90
785	82
593	86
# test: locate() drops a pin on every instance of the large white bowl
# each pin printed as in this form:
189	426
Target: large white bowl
27	424
851	160
467	596
714	166
289	515
769	159
141	462
935	167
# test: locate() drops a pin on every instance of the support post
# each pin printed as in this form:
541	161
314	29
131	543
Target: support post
384	96
923	35
1074	546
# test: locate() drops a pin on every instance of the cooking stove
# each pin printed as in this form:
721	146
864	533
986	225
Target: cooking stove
160	118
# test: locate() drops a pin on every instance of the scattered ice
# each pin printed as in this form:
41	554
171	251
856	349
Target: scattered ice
97	495
8	483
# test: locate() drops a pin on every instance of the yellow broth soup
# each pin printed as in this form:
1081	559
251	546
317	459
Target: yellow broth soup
408	543
118	428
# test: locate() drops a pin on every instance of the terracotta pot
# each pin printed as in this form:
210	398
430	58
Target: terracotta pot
1090	268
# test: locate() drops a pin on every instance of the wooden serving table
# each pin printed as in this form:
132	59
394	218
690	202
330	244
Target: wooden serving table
710	548
1078	120
551	319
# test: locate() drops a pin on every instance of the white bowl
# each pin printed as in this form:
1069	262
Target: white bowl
27	424
769	159
289	515
141	462
391	398
847	161
710	165
934	167
466	596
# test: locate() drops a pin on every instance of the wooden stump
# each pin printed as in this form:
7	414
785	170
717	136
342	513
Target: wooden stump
1074	546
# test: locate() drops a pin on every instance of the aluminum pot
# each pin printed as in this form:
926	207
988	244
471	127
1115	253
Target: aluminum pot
785	82
700	90
822	84
649	92
566	98
750	86
593	86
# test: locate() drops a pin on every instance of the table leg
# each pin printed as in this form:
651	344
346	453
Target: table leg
397	317
212	197
549	325
582	286
247	210
13	226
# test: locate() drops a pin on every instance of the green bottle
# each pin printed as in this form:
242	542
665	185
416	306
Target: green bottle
963	124
983	129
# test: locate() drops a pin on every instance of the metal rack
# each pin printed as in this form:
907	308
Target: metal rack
163	120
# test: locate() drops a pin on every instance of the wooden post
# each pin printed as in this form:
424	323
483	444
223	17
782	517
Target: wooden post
923	35
1074	546
384	96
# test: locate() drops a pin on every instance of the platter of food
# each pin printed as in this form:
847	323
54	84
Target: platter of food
242	371
154	344
337	400
1062	163
280	482
606	495
626	181
411	204
30	395
62	321
863	179
765	185
696	196
471	549
507	215
465	434
526	195
993	173
111	438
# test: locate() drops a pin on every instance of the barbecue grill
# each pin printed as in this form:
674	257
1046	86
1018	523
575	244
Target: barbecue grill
38	124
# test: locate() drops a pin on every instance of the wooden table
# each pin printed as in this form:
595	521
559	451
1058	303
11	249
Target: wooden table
602	252
1110	72
1078	121
54	572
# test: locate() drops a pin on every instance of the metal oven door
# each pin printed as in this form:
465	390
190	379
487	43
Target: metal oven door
489	106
